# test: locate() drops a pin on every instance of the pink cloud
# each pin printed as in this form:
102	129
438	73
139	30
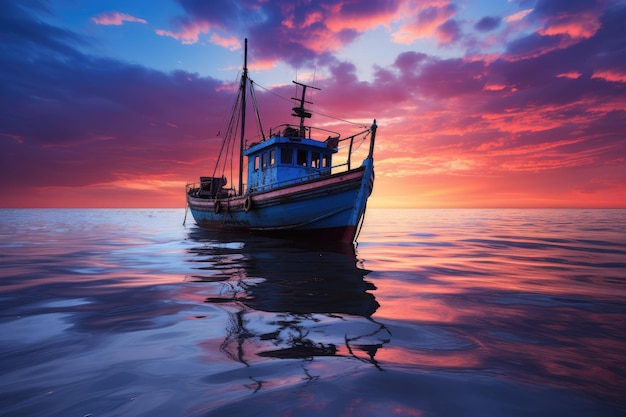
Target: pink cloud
425	22
610	75
357	17
576	20
573	75
577	27
494	87
189	33
116	19
515	17
229	42
191	30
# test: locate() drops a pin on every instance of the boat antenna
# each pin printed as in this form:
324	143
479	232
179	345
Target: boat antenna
300	111
244	82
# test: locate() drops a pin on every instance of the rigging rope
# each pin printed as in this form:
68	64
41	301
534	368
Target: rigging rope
228	141
229	138
256	108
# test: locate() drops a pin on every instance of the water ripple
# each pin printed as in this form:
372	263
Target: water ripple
435	312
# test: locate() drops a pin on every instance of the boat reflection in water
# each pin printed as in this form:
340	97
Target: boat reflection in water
289	299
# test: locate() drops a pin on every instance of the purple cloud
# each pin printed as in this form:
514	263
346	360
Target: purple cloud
555	8
487	24
74	119
282	31
448	32
26	32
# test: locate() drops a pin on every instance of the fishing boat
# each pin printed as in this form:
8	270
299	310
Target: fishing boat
295	188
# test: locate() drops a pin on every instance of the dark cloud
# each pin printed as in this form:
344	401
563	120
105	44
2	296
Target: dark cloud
536	60
533	44
452	78
555	8
449	32
611	38
22	33
74	119
223	12
296	33
408	62
435	13
487	24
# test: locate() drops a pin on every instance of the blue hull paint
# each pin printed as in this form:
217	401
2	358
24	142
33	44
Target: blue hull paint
329	208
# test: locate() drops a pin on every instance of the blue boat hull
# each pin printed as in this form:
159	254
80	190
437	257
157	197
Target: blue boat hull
326	208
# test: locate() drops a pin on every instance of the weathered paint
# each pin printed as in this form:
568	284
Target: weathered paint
328	208
279	161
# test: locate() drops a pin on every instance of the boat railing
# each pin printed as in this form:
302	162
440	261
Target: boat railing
348	148
290	130
204	189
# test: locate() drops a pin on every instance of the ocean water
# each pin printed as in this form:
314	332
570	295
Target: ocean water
434	313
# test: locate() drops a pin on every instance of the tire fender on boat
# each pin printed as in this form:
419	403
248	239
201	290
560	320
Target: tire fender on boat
248	204
217	207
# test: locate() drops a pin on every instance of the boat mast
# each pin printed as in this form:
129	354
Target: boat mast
300	111
244	82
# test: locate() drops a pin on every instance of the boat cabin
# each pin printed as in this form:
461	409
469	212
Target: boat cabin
284	159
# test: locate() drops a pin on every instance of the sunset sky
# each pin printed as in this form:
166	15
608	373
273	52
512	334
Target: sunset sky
479	103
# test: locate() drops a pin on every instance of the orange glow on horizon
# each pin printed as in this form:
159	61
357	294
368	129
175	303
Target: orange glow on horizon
400	183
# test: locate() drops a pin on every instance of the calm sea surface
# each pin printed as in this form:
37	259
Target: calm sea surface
436	313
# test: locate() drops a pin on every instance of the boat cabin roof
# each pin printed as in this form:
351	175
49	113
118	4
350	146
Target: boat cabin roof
277	141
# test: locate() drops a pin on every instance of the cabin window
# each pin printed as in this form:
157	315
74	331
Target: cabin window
264	159
256	163
302	157
273	157
325	161
286	156
315	159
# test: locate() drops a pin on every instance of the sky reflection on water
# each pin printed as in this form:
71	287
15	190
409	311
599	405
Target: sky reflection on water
535	296
436	313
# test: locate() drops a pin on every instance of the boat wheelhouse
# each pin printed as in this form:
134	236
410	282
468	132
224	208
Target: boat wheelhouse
286	158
